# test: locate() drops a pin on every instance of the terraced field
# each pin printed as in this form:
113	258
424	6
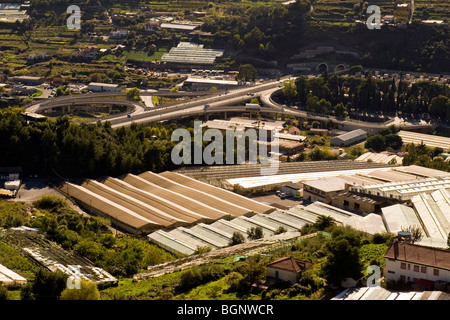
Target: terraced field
51	256
341	10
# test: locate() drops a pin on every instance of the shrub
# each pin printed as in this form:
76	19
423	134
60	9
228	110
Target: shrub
255	233
237	238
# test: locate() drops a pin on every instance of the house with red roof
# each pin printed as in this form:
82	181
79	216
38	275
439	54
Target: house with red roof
287	269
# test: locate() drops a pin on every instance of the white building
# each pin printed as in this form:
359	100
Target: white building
287	269
349	138
104	87
122	33
425	267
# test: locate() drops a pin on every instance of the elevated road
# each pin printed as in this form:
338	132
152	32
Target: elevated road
231	101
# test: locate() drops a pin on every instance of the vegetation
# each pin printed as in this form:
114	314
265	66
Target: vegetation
88	291
338	95
424	156
70	150
91	237
228	279
385	139
237	238
47	285
255	233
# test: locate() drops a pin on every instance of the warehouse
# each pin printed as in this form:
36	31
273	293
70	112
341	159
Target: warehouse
218	234
398	217
427	139
104	87
322	189
385	158
144	203
357	202
349	138
380	293
255	184
193	54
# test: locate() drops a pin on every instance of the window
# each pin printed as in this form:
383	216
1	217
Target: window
436	272
416	268
403	265
423	269
346	203
403	278
357	206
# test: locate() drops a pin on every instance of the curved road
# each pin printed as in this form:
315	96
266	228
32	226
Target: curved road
218	102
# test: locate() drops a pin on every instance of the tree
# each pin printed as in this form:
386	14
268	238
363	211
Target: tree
237	238
312	103
47	285
393	141
88	291
323	222
247	72
415	231
439	106
340	110
255	233
289	90
133	94
376	142
280	230
343	260
3	293
323	106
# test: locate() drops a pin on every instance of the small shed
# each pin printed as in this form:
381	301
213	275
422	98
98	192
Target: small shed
287	269
292	190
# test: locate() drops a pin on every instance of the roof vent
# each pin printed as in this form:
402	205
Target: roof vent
404	235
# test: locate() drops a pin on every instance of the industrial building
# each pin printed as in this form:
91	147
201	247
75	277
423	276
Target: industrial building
349	138
380	293
427	139
28	80
385	158
291	172
292	190
218	234
143	203
193	54
322	189
104	87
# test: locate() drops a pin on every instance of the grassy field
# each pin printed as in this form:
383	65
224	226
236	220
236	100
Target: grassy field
337	10
144	56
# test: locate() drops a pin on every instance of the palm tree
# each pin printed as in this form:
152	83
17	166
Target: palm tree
323	222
